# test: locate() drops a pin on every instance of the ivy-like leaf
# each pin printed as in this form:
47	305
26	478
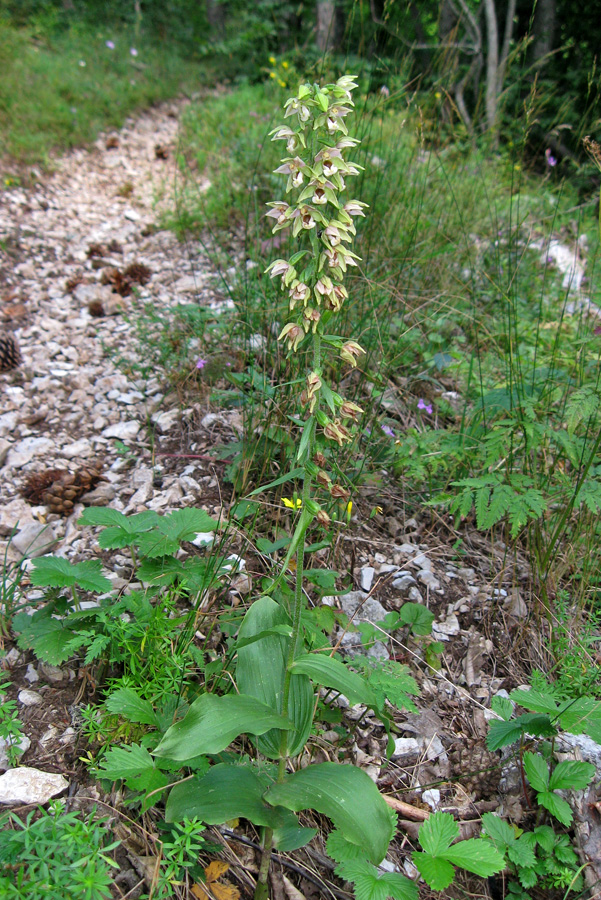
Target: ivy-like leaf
418	617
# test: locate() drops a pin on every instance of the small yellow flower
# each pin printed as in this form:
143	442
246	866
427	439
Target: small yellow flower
272	60
438	95
285	65
295	503
517	167
349	510
272	74
281	83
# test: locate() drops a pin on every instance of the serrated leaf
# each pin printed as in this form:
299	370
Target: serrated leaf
331	673
477	856
172	529
369	884
501	734
341	850
50	640
127	703
537	771
503	707
54	571
536	701
212	723
522	854
347	796
571	775
437	833
500	832
123	762
556	805
437	873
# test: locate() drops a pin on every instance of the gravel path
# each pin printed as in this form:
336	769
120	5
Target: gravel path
69	404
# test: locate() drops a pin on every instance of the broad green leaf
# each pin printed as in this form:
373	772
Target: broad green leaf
537	771
501	734
580	715
571	775
477	856
556	805
163	570
437	833
418	617
347	796
436	872
260	673
227	792
212	723
123	762
54	571
127	703
331	673
287	838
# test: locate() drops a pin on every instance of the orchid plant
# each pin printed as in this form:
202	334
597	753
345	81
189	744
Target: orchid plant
276	678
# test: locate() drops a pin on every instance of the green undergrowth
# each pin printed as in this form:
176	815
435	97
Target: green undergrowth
58	90
481	381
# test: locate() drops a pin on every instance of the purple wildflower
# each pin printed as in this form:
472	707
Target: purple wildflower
133	51
201	363
388	431
109	44
427	407
551	161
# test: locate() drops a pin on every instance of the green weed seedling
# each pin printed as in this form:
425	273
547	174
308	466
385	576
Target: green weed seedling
55	855
10	724
542	856
140	629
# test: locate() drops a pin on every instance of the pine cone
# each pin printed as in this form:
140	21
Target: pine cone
38	483
60	490
117	280
10	355
138	273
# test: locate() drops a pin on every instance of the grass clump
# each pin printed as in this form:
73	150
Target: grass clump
60	89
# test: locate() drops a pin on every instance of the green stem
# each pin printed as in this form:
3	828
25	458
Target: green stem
261	890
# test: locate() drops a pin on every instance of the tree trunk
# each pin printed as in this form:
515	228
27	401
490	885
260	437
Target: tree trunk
544	29
216	12
492	63
326	33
